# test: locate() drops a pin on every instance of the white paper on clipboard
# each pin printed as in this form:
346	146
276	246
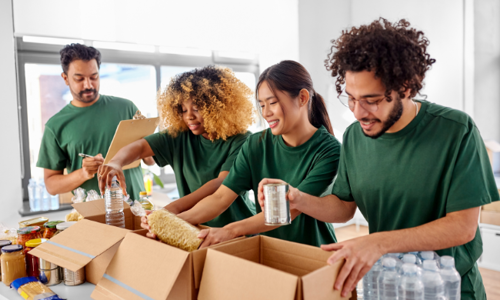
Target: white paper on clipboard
127	132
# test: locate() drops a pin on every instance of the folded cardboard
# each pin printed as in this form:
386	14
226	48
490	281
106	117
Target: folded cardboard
96	211
493	150
267	268
490	217
493	206
85	244
143	268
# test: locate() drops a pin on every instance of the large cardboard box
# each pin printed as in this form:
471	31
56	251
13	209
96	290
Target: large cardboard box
490	217
143	268
493	206
267	268
86	244
96	211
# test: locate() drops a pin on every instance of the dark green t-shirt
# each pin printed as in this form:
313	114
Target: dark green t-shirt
309	167
88	130
196	161
437	164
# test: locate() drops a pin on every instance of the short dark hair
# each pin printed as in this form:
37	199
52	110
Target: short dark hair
395	52
73	52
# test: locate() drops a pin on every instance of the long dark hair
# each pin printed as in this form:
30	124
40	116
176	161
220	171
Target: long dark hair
291	77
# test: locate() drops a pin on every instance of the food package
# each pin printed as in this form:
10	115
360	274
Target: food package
92	195
174	231
73	216
78	198
137	209
8	234
31	289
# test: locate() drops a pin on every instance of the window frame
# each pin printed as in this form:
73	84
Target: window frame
38	53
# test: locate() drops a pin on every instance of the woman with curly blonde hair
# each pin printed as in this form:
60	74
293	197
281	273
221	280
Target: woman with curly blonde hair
204	117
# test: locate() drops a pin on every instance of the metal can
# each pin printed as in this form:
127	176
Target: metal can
74	278
276	207
50	274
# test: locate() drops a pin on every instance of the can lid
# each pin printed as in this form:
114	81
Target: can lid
29	229
143	193
4	243
35	242
12	248
64	225
52	224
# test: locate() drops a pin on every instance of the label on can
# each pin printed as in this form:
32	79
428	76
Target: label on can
276	207
74	278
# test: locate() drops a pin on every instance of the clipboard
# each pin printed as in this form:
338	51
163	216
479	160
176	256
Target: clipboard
127	132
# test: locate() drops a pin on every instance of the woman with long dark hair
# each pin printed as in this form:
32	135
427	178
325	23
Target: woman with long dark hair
298	148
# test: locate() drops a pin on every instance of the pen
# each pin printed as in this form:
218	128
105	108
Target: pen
85	155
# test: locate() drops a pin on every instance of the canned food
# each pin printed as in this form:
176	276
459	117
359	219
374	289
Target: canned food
51	277
74	278
40	221
276	207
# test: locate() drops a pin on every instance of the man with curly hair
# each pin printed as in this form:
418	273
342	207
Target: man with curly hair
205	114
418	171
86	125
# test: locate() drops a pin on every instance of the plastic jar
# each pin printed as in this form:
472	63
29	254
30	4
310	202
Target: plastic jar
3	243
50	229
63	226
13	263
32	265
28	233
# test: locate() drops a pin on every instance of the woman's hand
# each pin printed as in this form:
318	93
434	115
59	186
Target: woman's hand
145	225
294	196
214	236
105	176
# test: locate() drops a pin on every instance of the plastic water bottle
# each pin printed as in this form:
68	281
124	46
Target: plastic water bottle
397	257
33	195
43	196
370	291
388	280
433	282
411	286
419	261
113	197
451	278
54	202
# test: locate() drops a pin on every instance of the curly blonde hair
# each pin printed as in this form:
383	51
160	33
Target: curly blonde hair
222	99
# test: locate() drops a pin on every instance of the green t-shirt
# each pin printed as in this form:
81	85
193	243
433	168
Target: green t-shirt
196	161
437	164
88	130
309	167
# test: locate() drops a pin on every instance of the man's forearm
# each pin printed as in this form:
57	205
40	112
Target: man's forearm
60	183
188	201
328	209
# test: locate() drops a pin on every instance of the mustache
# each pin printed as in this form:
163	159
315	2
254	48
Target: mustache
87	90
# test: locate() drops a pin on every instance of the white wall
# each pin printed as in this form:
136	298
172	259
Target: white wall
10	177
442	22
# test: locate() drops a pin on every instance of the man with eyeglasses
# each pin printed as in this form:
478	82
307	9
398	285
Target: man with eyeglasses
418	171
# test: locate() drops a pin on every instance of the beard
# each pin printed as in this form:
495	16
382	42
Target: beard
79	96
394	116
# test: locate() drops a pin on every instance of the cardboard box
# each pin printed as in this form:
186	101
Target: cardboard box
267	268
96	211
493	150
143	268
85	244
66	198
493	206
490	217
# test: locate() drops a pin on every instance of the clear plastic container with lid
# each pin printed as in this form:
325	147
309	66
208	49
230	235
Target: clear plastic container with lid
50	229
28	233
32	265
63	226
13	263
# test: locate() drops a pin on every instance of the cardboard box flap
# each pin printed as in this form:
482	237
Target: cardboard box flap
199	260
91	208
291	257
319	284
79	244
136	269
226	277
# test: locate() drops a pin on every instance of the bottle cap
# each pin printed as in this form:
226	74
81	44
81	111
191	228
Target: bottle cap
409	268
143	193
64	225
427	254
448	261
430	265
409	258
12	248
389	262
29	229
35	243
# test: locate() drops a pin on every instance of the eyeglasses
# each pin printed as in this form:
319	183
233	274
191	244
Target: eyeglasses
368	105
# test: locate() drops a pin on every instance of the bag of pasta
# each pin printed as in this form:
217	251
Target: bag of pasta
31	289
174	231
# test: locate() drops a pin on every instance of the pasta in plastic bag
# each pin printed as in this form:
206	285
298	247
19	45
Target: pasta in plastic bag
174	231
31	289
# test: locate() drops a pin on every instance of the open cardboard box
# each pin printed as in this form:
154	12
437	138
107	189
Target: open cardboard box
143	268
267	268
85	244
96	211
493	206
490	217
